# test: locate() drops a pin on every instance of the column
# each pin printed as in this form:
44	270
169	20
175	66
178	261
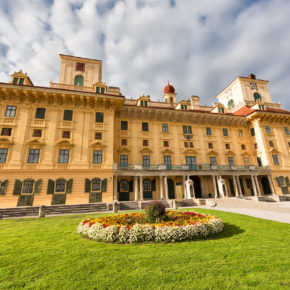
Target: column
161	188
166	187
202	185
141	188
215	187
235	185
183	187
136	187
271	184
239	186
257	184
254	185
115	187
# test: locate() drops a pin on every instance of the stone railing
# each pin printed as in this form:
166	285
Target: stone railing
71	87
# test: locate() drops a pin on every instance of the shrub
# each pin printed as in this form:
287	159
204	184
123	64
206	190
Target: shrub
155	212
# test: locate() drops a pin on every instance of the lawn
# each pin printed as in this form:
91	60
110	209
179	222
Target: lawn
48	253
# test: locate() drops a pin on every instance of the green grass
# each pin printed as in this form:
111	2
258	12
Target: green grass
48	253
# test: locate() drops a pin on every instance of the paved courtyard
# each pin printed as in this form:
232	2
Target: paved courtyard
276	211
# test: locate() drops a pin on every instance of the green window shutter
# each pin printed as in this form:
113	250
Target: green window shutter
87	185
153	185
286	179
278	181
104	185
69	185
37	186
50	187
131	186
17	187
3	187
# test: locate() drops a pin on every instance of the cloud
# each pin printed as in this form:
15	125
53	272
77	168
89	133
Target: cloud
199	46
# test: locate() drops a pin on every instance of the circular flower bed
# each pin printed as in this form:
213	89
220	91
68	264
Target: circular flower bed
133	227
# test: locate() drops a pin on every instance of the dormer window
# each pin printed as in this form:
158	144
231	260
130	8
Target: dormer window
143	103
183	107
261	107
221	110
100	90
18	81
15	81
80	66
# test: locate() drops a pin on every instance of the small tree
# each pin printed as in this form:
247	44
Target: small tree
155	212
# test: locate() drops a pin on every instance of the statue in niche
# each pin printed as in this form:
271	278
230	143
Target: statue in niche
222	187
188	186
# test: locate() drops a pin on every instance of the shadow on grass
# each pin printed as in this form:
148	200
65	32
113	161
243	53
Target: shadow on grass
228	232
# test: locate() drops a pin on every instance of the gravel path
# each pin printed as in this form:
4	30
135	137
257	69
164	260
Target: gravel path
275	211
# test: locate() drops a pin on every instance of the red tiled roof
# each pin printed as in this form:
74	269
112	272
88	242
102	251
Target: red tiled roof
245	111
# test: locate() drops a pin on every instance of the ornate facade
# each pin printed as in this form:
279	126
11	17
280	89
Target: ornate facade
81	141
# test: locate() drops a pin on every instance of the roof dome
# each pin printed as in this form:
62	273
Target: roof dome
169	89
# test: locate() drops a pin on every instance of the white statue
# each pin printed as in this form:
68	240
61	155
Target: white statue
188	185
222	187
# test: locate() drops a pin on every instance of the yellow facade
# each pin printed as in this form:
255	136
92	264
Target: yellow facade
81	141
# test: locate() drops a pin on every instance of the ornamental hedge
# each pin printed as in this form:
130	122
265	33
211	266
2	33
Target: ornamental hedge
134	228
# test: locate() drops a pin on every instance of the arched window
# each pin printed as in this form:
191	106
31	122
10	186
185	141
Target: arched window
257	97
147	185
231	104
96	184
79	81
124	185
60	185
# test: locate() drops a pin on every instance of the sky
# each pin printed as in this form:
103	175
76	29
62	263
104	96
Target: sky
200	46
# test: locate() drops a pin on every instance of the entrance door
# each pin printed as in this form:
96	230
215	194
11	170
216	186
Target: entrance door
171	193
123	190
196	185
266	185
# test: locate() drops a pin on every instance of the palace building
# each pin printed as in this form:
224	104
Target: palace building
81	141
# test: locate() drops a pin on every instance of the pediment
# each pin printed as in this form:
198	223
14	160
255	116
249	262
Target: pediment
274	150
146	150
190	151
212	152
230	152
34	141
6	140
97	144
167	151
63	142
124	150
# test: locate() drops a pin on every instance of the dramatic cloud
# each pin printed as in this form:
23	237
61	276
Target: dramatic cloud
199	46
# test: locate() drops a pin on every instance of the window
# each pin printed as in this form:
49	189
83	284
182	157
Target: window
124	160
259	160
275	159
79	81
228	146
143	103
124	185
221	110
99	117
40	113
208	131
60	185
243	146
10	111
231	161
210	146
190	144
67	115
65	134
165	128
165	143
188	137
271	143
146	161
286	130
253	86
63	156
185	145
187	129
225	132
261	107
100	90
98	136
191	162
167	161
268	129
231	104
80	66
97	157
28	186
184	107
145	126
212	161
145	142
6	132
21	81
147	185
124	125
124	142
247	161
257	97
240	133
96	184
37	133
252	130
3	155
33	156
15	81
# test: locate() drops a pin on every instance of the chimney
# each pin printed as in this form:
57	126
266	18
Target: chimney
194	101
